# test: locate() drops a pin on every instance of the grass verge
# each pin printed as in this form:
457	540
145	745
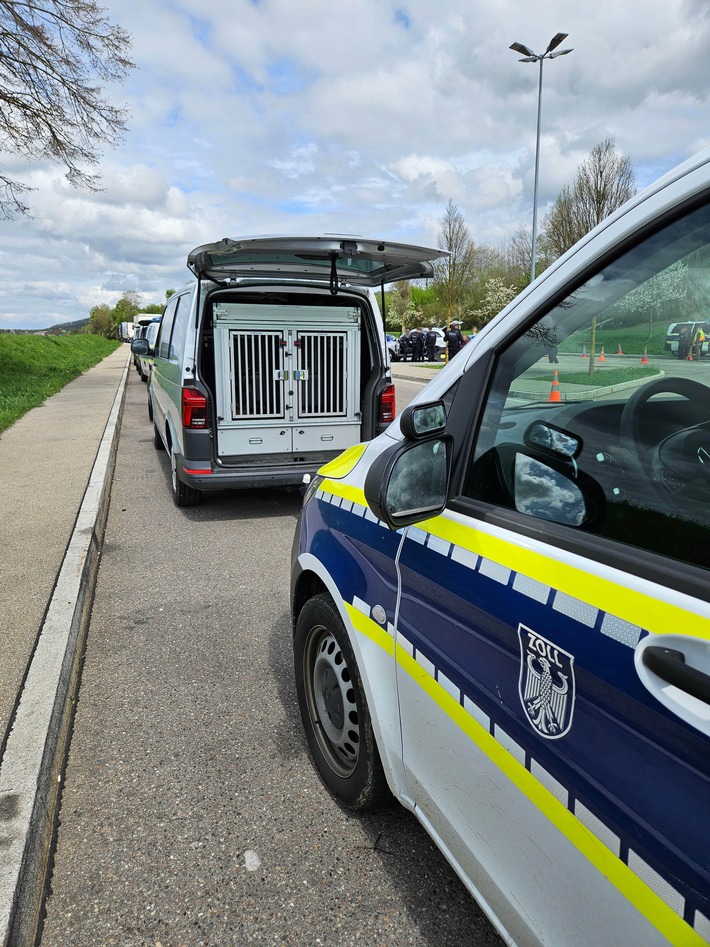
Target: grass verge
605	377
33	367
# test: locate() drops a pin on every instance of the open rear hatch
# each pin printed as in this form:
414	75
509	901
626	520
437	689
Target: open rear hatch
329	259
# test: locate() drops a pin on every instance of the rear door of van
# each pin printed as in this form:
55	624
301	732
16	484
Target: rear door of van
287	378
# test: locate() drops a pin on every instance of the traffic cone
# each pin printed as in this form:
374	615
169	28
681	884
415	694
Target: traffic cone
555	389
690	356
644	360
584	351
601	357
619	352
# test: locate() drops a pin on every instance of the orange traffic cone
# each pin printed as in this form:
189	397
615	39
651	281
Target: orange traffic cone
555	389
619	352
690	356
644	360
602	357
584	351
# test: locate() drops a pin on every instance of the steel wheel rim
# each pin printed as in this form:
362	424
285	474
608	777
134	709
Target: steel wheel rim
330	696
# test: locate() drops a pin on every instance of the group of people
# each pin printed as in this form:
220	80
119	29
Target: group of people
419	345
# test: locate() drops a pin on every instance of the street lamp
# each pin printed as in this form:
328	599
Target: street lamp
530	56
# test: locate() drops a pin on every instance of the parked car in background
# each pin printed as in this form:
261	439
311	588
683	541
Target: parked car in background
501	606
274	360
393	348
145	362
138	333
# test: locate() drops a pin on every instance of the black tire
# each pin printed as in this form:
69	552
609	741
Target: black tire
334	710
150	409
182	494
157	439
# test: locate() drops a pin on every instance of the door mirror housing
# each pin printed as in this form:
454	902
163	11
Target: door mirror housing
140	347
423	420
409	483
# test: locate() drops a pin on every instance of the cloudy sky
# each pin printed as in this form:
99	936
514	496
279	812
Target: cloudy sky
366	117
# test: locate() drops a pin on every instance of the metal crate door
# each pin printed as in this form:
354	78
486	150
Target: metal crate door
257	371
322	368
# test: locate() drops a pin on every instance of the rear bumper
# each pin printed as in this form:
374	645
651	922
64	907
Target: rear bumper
202	475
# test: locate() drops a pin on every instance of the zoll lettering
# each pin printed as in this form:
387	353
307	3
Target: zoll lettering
544	649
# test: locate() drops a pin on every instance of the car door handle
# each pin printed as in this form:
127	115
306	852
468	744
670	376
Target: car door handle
669	664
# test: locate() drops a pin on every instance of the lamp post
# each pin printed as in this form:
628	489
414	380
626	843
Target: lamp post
530	56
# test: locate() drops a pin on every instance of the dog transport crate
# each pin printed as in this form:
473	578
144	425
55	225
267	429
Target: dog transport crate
288	379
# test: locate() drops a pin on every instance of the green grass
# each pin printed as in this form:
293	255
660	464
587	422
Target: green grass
633	340
604	377
33	367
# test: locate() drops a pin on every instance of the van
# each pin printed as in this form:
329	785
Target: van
273	360
150	334
141	321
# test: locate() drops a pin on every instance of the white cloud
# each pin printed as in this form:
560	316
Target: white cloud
312	117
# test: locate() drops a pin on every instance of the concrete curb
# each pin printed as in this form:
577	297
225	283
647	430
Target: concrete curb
31	768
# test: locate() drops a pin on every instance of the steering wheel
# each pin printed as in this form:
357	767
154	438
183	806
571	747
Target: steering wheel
683	458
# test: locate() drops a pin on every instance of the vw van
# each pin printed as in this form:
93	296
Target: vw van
273	360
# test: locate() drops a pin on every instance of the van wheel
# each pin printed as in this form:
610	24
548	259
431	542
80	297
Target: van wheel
182	494
157	439
333	708
150	409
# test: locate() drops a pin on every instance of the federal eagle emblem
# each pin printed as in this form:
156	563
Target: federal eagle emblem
546	686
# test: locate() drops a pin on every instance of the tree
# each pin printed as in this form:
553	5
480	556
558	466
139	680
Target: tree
453	275
605	180
519	256
101	321
497	297
53	59
399	304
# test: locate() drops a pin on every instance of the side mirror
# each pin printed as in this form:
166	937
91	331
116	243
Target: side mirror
538	483
140	347
423	420
409	483
548	437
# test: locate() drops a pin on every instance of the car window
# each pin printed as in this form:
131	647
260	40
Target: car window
579	432
166	326
179	333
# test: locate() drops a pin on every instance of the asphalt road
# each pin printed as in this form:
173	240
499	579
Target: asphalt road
191	813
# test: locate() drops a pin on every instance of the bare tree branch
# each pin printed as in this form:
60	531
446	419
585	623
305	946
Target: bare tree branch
605	180
454	274
54	58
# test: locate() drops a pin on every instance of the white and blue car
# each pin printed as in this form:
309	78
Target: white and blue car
501	605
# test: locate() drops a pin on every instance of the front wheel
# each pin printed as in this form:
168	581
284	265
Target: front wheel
333	708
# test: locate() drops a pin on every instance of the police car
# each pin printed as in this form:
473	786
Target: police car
501	605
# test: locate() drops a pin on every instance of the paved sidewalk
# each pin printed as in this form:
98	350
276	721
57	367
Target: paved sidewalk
55	475
414	371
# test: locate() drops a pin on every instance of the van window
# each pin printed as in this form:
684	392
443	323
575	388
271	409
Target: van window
179	333
598	439
166	327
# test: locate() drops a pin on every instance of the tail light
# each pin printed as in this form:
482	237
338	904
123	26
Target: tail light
194	408
387	404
